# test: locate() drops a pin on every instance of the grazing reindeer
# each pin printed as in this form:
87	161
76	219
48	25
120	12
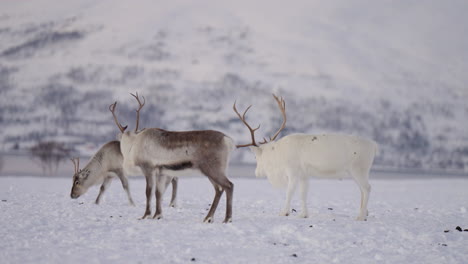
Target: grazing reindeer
155	151
289	161
102	168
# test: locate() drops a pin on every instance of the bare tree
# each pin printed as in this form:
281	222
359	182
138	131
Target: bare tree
49	154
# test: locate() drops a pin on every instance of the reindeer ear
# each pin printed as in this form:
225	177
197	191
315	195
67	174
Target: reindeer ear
256	150
83	174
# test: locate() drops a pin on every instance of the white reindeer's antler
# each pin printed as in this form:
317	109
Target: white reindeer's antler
252	131
282	106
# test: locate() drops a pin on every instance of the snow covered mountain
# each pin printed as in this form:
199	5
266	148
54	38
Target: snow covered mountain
394	71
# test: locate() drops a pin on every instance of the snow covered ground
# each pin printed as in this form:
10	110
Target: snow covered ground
408	217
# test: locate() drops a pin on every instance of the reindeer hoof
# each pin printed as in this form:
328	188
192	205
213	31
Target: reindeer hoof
302	215
173	205
284	213
227	221
145	215
208	220
361	218
157	217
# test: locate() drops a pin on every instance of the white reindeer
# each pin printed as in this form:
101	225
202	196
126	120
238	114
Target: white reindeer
289	161
162	153
105	165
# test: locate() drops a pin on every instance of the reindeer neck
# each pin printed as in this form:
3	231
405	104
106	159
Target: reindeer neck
96	163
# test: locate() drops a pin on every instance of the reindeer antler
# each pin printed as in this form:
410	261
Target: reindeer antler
112	109
252	131
76	163
139	108
282	106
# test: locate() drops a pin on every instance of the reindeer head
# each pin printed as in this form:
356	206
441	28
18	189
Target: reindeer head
126	138
263	149
80	180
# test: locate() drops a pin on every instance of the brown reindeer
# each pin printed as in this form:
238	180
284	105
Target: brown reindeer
154	151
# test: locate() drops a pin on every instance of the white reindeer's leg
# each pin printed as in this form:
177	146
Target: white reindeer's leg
367	191
174	182
292	182
304	187
124	182
105	184
362	179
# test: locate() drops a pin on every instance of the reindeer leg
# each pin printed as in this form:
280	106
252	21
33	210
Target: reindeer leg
292	182
362	181
229	188
304	187
174	181
124	182
105	184
148	172
161	184
217	177
218	192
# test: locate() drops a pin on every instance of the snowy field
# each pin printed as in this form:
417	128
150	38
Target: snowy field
408	223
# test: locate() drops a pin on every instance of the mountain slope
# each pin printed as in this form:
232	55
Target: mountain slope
393	71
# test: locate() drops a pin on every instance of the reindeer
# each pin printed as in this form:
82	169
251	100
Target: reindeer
166	154
105	165
289	161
